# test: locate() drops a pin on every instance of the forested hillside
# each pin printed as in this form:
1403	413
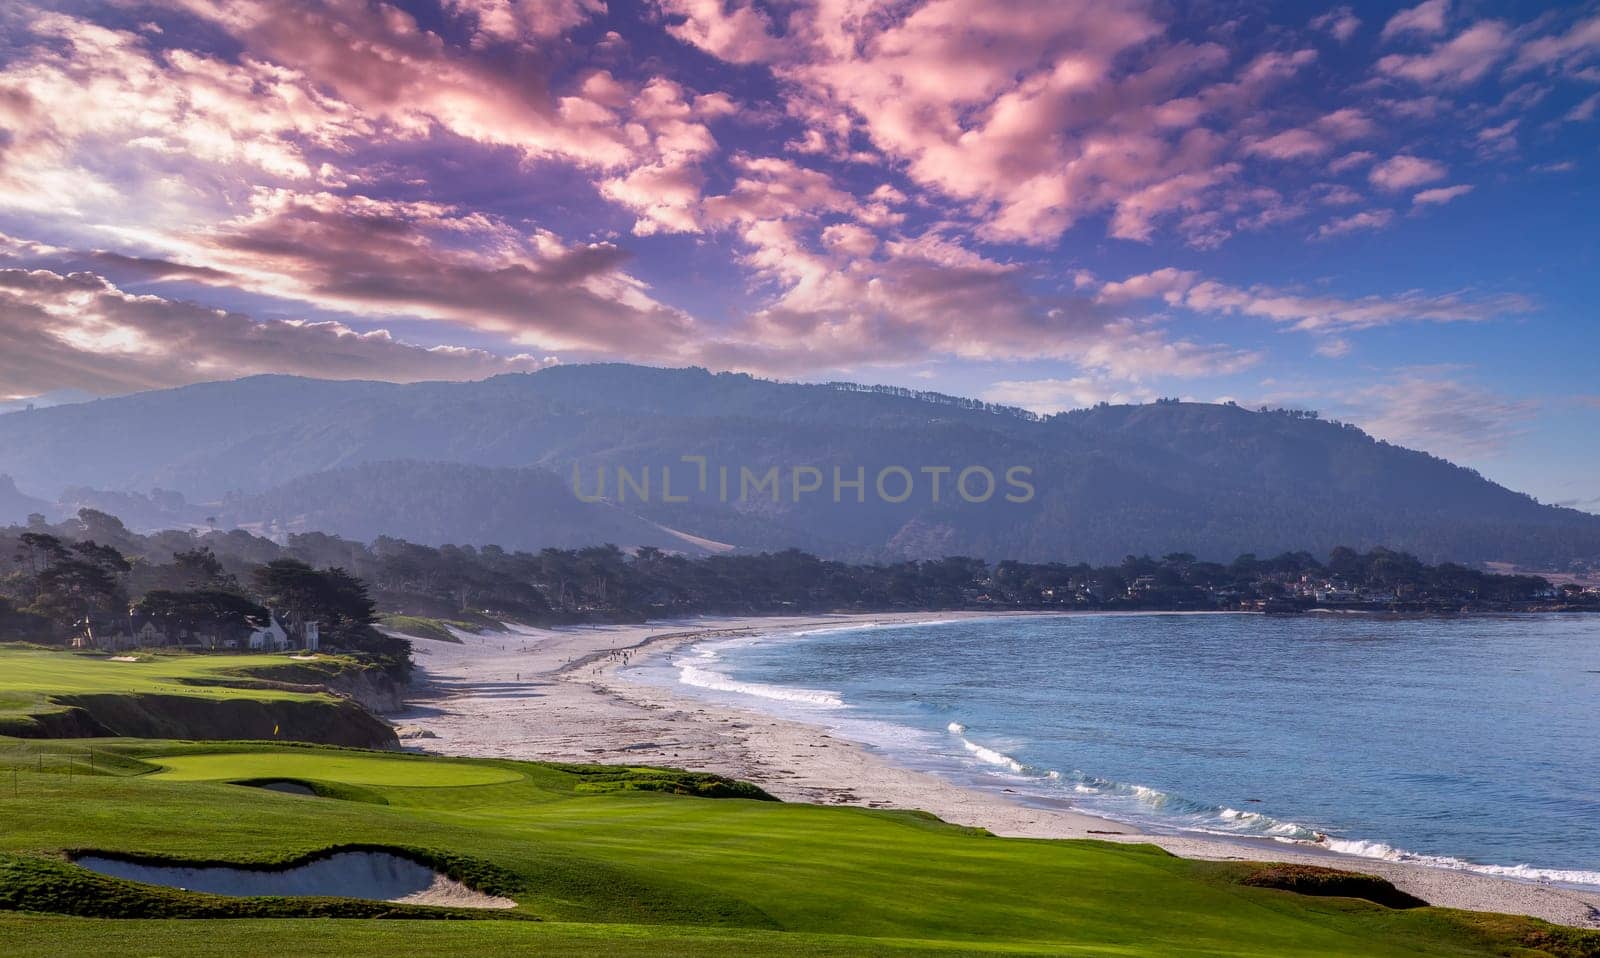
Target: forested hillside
493	461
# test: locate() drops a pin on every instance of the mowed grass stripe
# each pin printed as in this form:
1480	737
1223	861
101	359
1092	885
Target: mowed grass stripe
346	768
30	677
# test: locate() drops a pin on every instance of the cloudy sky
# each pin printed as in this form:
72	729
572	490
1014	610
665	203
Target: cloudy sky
1384	212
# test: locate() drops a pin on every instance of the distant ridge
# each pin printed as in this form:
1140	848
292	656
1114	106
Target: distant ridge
1214	480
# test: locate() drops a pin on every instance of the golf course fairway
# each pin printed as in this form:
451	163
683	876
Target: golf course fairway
350	769
618	861
51	694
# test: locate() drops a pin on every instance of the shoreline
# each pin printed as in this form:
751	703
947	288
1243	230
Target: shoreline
556	695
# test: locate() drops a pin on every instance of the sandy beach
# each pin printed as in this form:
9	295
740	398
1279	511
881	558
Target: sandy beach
555	694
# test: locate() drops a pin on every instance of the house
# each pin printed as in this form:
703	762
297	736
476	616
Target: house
268	638
273	637
146	633
111	633
117	633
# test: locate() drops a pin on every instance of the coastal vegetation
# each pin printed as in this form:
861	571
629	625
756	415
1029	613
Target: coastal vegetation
55	578
91	583
631	870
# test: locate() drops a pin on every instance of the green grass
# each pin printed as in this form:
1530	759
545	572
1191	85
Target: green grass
617	870
52	694
348	768
32	677
423	627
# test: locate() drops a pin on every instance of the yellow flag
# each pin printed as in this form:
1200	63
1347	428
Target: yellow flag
274	731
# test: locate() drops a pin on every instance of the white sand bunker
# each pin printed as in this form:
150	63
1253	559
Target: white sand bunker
377	876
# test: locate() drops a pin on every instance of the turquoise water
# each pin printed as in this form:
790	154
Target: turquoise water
1464	742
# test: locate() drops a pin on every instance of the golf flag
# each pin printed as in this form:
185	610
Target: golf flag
274	731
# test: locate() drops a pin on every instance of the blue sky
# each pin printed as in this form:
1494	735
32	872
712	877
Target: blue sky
1383	212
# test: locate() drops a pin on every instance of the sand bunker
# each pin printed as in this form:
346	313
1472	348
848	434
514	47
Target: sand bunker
377	876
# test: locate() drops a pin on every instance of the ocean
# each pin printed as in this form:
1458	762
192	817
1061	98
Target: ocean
1463	742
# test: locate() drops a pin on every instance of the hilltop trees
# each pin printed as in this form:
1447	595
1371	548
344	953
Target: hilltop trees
53	586
337	601
66	583
333	597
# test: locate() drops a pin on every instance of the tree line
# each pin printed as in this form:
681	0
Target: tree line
59	575
58	583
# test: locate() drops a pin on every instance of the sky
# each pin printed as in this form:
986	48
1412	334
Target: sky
1384	212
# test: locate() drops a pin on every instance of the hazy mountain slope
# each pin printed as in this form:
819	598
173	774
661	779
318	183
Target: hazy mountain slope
435	503
200	440
1214	480
15	505
56	397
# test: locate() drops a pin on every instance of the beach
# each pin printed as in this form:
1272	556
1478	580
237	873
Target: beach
557	695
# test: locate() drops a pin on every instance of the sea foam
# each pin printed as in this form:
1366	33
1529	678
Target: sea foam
695	670
716	681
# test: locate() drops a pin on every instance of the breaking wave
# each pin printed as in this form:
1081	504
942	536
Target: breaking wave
1388	853
1142	805
695	670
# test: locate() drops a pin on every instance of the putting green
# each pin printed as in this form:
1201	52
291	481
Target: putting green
351	769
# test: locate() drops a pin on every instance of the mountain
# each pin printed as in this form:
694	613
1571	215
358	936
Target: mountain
57	397
16	506
493	461
437	503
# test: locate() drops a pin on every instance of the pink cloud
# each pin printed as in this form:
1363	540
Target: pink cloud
1404	171
1025	116
850	239
379	257
505	21
1585	110
1425	19
1336	194
83	330
930	297
1166	283
1352	160
394	70
1566	51
88	103
1320	137
1441	195
1310	313
1334	347
1009	124
1340	22
1442	416
737	32
1355	222
1457	62
1291	145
